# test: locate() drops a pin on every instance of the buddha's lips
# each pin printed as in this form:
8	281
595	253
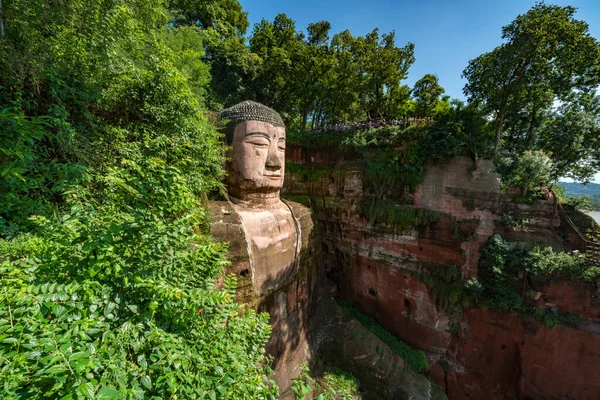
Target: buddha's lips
273	176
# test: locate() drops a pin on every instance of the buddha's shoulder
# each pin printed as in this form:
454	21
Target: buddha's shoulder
222	212
225	223
300	211
305	220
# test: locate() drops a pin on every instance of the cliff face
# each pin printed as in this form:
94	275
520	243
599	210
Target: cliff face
384	269
307	326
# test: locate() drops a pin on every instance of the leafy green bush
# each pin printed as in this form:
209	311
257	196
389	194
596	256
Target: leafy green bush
580	203
108	283
496	262
453	297
499	261
416	359
531	172
543	261
338	385
118	299
100	85
335	384
302	385
392	213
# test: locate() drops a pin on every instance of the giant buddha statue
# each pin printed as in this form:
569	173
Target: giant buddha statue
256	167
272	248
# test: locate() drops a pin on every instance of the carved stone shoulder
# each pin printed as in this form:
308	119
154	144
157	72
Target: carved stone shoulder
304	218
226	226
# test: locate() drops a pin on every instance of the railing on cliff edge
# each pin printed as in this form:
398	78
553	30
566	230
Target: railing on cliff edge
589	247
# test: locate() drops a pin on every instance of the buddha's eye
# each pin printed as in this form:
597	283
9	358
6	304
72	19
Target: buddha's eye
260	144
281	147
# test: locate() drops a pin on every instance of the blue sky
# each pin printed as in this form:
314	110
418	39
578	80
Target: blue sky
446	33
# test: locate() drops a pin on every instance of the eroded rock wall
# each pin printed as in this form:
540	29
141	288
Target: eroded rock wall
481	354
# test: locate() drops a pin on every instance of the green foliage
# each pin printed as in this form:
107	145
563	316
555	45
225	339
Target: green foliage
551	317
499	261
371	137
24	181
543	261
83	115
453	297
391	213
531	173
303	385
384	175
427	92
313	80
108	285
188	52
338	385
118	297
416	359
571	136
220	25
335	384
496	263
581	196
547	55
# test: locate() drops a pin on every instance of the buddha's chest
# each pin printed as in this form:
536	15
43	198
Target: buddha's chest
272	237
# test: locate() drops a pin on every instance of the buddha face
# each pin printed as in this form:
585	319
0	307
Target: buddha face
257	159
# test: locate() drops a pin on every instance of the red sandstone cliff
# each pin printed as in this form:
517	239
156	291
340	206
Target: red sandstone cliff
483	353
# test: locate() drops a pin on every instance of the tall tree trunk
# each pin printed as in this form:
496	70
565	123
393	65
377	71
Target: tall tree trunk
333	117
1	20
377	96
305	115
531	130
499	127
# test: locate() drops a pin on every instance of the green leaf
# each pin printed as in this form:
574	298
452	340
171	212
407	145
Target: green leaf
87	390
108	394
146	382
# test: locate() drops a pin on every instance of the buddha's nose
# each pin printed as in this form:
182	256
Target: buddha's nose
273	161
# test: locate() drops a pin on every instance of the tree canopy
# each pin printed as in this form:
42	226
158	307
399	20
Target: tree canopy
107	270
427	92
548	57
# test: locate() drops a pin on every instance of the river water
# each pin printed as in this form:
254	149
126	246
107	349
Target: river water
595	215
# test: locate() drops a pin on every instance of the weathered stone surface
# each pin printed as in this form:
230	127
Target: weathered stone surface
382	373
486	354
504	358
291	294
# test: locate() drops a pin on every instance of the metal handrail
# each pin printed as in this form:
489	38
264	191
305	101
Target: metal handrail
586	242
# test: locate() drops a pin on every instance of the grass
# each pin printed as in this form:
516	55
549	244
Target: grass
416	359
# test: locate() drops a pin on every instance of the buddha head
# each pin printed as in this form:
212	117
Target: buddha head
256	164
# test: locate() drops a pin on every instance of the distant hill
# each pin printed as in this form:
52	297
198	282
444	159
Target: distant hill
579	189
